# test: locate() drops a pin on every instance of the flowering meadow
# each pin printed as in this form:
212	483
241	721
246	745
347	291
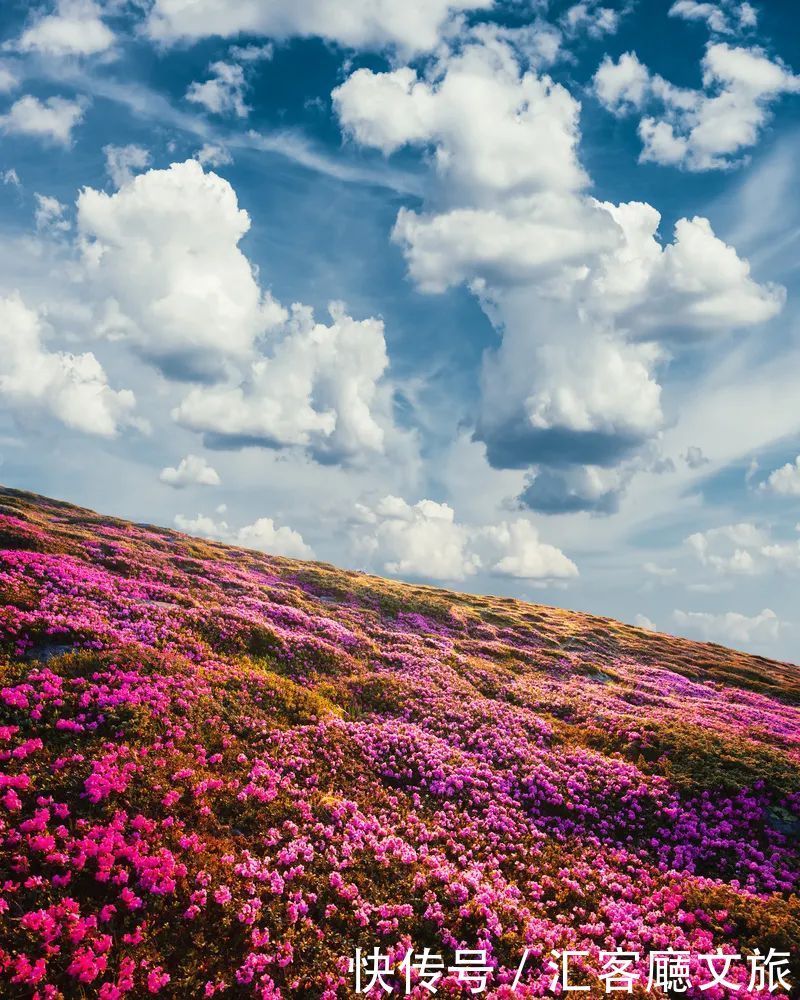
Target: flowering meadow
221	772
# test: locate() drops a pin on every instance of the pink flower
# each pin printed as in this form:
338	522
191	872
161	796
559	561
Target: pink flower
130	899
222	895
11	801
157	979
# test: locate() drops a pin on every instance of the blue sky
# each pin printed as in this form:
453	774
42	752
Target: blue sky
497	295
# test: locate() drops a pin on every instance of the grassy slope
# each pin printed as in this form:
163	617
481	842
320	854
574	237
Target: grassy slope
355	760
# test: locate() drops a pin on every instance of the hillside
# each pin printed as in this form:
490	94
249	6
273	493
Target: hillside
221	771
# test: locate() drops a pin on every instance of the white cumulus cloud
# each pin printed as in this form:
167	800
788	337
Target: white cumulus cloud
724	18
213	154
696	284
223	92
122	162
164	251
590	17
731	626
493	128
420	540
75	28
49	214
319	388
193	470
424	540
263	535
163	256
413	25
692	10
698	129
582	293
744	549
623	84
514	549
72	388
732	548
784	481
52	119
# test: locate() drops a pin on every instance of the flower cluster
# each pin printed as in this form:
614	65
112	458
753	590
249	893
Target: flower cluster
221	772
